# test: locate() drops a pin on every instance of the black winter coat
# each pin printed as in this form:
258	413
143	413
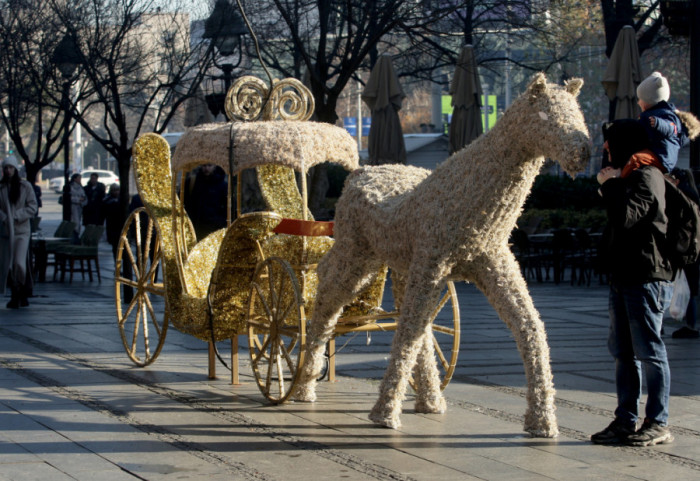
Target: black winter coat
634	249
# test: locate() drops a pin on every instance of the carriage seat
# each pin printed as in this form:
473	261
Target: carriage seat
201	262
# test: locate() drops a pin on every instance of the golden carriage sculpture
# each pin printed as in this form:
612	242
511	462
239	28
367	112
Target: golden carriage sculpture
257	275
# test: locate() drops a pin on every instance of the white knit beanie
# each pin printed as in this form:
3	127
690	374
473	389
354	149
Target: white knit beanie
654	89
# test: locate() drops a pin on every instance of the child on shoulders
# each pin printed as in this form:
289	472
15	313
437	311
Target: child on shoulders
660	120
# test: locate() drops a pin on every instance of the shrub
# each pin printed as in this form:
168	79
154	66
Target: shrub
550	192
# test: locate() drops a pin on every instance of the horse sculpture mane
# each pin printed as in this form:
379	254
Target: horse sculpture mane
451	224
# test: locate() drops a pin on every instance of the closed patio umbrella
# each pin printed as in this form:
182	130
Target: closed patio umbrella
466	101
383	94
623	74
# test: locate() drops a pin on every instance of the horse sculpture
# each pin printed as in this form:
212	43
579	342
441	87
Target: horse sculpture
451	224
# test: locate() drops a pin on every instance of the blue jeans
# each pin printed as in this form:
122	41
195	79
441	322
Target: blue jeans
636	316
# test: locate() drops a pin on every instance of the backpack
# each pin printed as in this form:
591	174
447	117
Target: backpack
683	232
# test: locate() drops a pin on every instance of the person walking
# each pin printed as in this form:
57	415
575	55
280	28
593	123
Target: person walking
633	191
17	207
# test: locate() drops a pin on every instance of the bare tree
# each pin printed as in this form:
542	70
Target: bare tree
29	86
138	65
336	41
643	16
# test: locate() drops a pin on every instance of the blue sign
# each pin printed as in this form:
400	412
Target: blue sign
366	124
350	124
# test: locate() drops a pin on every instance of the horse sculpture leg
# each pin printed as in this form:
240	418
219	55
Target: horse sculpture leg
413	328
426	377
501	280
342	275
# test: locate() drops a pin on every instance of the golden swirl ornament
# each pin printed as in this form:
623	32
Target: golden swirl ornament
250	99
246	99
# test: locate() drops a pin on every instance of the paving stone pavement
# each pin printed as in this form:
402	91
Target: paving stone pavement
73	407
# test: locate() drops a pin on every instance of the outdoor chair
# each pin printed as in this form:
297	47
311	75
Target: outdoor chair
84	254
530	259
582	260
63	231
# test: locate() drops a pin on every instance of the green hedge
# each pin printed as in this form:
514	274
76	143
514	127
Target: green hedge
593	219
552	192
564	202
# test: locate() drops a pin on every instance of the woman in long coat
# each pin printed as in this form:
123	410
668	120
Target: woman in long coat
78	200
17	207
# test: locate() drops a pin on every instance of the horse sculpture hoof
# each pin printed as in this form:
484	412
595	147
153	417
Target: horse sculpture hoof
381	419
541	427
432	405
305	393
551	432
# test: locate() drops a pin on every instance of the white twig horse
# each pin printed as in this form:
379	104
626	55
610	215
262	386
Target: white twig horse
452	224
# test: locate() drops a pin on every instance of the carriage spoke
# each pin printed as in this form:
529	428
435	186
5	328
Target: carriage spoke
263	301
146	344
263	347
132	259
280	374
268	380
261	323
450	331
287	356
440	305
137	328
152	316
440	354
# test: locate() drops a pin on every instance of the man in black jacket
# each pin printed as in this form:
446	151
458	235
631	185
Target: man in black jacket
633	191
205	199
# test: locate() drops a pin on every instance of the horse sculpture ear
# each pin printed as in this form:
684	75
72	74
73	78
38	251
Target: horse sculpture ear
538	85
574	85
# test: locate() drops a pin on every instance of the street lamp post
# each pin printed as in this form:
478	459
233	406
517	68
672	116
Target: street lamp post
66	57
224	27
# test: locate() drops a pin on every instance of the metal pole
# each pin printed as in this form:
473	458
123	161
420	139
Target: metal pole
66	152
695	80
359	116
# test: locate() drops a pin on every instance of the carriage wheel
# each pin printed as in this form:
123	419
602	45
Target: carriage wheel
446	334
142	316
276	328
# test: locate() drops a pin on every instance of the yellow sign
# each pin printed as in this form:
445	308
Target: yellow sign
488	108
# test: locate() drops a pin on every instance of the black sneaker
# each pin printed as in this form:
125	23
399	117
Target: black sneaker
649	434
617	432
685	332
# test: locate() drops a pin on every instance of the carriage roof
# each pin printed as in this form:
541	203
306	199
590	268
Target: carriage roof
300	145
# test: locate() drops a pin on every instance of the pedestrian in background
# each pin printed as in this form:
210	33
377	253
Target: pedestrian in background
633	191
113	216
37	195
78	200
683	178
17	208
95	194
205	199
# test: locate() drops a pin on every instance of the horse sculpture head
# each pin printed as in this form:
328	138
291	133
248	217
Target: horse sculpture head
555	124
